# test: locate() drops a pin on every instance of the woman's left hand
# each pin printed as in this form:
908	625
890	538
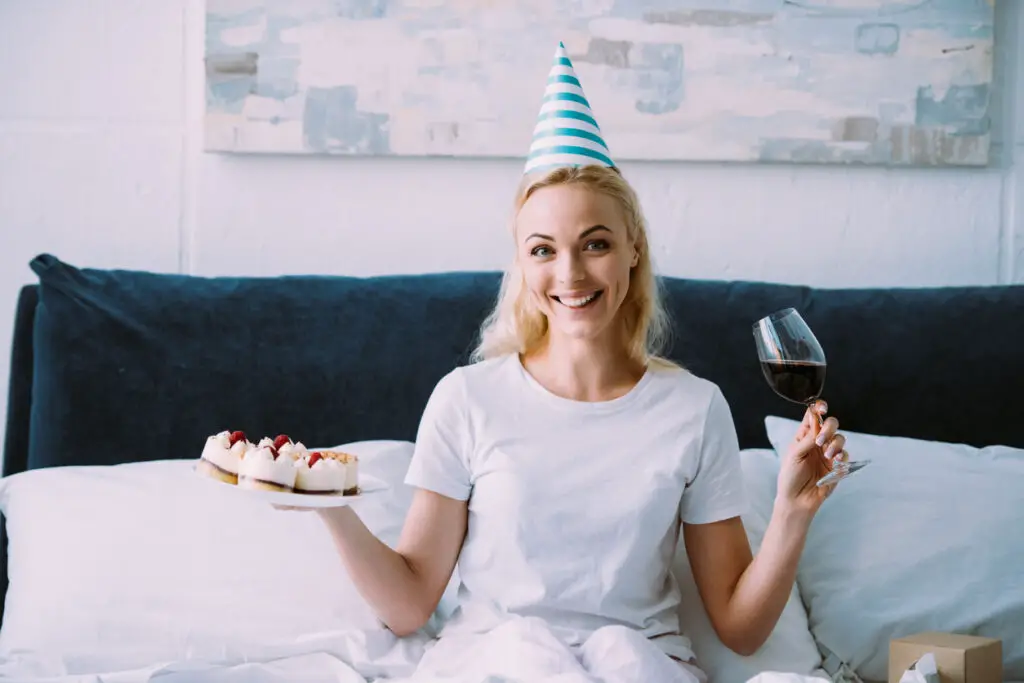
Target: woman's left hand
808	459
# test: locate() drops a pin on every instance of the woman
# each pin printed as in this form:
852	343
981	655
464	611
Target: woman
555	468
561	467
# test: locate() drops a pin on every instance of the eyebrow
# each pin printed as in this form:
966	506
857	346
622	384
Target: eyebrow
585	233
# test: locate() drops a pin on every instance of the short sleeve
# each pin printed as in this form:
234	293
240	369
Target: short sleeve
440	460
716	491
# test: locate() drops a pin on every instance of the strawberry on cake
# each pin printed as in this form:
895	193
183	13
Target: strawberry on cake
222	456
292	449
266	467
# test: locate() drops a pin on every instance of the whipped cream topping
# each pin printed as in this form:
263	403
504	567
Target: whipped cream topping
260	463
224	439
323	475
220	452
266	454
320	464
292	450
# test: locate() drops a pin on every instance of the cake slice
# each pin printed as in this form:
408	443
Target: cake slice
222	456
317	475
351	464
264	467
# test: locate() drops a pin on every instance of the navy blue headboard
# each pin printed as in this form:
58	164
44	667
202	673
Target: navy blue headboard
109	366
19	390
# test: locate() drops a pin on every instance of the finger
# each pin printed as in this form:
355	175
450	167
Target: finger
806	434
827	432
811	422
814	416
820	407
835	446
815	413
830	488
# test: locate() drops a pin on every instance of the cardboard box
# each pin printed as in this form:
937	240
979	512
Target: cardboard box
960	658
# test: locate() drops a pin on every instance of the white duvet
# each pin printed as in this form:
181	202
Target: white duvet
520	651
123	592
173	598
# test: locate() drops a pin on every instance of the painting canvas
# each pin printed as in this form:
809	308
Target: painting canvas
891	82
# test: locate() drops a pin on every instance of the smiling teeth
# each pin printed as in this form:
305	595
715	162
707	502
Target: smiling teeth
576	303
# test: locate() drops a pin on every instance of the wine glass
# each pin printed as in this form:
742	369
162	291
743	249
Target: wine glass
793	363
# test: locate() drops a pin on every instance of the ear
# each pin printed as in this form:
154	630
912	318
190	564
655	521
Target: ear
636	258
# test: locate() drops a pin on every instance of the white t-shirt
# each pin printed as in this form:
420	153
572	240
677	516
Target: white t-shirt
574	506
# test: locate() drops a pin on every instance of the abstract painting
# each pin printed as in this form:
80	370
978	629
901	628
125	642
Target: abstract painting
888	82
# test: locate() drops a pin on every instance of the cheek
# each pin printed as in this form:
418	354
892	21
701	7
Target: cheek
536	281
615	271
619	277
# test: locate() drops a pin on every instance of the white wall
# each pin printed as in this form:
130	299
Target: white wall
101	164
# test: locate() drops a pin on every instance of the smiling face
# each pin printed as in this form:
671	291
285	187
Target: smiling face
576	256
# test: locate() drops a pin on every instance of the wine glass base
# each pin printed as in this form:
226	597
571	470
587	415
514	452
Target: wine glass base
842	471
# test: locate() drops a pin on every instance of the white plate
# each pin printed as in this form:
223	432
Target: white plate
368	487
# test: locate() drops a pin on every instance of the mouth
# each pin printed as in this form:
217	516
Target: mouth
580	302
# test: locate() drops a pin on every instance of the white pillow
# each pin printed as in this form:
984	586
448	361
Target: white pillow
113	568
925	538
791	647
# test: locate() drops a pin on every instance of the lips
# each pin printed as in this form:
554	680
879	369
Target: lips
581	301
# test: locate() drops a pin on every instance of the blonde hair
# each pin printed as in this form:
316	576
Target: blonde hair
516	326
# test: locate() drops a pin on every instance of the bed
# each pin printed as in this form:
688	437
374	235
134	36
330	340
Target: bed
118	561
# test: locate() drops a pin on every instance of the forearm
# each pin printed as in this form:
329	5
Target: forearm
384	578
764	588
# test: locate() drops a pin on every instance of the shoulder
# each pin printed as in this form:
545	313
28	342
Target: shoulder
467	381
678	384
696	402
489	375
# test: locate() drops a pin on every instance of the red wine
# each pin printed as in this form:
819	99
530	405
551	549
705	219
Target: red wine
800	382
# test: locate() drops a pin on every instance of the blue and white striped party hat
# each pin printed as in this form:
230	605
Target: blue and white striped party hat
566	133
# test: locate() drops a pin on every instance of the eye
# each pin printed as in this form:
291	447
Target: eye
597	245
540	251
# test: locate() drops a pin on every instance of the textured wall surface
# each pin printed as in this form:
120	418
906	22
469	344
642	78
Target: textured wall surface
869	81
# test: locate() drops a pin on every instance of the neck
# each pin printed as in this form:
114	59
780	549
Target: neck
584	370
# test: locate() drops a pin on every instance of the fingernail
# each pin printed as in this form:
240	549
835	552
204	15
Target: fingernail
820	440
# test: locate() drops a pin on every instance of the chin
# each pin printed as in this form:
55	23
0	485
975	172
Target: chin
591	330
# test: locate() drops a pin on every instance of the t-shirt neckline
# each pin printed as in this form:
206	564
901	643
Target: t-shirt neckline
582	406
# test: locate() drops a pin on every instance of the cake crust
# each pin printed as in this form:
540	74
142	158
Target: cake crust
261	484
209	469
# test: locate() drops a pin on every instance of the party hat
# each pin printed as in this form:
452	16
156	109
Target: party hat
566	133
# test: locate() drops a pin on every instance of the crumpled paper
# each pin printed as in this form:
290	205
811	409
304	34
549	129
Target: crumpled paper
924	670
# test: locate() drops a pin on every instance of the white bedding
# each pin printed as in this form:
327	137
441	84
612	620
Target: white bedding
523	651
222	590
145	573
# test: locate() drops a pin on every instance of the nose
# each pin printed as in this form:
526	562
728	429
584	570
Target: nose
570	268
